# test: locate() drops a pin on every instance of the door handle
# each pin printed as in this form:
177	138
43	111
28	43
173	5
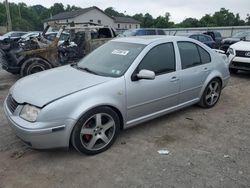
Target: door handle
206	69
174	79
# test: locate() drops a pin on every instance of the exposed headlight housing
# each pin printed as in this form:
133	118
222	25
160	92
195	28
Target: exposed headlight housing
230	51
29	113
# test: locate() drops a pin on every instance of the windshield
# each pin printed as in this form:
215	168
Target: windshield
129	33
30	35
112	59
8	34
241	35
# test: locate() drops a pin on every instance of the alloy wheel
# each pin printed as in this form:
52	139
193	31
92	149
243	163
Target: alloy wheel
213	93
97	131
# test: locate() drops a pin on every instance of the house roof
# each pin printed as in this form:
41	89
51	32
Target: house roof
73	14
125	20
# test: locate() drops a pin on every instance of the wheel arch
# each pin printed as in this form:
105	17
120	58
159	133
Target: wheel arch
213	75
117	111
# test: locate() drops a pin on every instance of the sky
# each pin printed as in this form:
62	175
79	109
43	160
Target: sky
178	9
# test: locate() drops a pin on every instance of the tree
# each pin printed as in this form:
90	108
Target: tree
207	21
112	12
57	8
163	22
248	19
190	22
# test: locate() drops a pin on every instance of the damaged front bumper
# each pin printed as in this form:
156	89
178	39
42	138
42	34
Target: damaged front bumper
40	135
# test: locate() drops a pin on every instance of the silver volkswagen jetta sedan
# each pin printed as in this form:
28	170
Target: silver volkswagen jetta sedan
123	83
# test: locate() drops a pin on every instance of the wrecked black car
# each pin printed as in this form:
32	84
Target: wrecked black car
39	53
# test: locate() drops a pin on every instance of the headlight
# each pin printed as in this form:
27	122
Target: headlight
230	51
29	113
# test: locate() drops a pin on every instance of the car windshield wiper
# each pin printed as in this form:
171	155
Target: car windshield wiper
86	69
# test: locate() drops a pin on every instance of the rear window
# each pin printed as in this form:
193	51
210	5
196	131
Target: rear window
217	34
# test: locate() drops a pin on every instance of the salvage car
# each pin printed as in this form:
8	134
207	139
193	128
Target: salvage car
124	82
11	36
239	56
50	50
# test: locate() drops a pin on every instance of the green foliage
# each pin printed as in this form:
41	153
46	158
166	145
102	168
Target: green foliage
112	12
31	17
248	19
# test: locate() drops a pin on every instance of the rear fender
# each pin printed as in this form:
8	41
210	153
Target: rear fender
212	75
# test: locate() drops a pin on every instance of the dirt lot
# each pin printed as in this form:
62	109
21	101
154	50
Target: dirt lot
208	148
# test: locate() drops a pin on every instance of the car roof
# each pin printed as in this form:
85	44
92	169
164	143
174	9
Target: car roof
146	40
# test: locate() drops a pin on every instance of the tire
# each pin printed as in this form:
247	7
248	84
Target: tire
96	131
211	94
34	65
233	71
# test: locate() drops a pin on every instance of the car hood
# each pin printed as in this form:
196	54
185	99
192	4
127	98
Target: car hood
2	37
42	88
231	40
242	45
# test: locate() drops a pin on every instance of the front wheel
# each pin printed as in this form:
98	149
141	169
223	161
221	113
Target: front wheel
34	65
211	94
96	131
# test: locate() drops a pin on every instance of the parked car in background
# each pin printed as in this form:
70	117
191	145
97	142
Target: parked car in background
53	49
216	36
235	38
124	82
142	32
10	37
29	35
239	56
206	39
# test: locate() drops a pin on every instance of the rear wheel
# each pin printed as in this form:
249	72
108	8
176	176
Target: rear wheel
34	65
211	94
96	131
233	71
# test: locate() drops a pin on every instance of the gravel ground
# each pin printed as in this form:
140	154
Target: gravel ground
208	148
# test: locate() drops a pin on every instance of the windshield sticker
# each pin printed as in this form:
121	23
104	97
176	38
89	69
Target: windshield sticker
120	52
116	72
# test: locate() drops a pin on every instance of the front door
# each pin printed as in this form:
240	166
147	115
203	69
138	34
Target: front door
147	98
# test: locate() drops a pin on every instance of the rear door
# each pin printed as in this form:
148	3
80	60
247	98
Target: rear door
196	66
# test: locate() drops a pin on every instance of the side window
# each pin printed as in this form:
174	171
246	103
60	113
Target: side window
160	59
194	37
140	32
161	32
209	38
151	32
189	53
205	56
202	38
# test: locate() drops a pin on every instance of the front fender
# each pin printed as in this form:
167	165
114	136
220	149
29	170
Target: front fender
75	105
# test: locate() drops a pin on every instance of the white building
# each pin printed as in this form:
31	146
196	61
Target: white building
124	23
92	15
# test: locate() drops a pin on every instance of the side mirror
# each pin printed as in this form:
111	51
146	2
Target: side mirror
146	74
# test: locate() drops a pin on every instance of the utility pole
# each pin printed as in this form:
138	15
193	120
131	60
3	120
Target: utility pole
9	24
